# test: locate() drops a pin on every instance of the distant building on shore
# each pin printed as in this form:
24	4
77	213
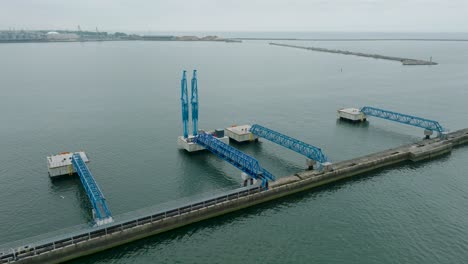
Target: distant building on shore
158	38
73	36
195	38
21	35
55	36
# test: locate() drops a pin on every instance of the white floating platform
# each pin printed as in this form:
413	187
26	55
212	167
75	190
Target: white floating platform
240	133
352	114
190	146
60	164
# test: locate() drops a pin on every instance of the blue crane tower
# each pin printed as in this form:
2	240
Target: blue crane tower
311	152
428	125
236	157
101	212
184	101
194	102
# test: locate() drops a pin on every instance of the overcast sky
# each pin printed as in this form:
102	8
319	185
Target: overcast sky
238	15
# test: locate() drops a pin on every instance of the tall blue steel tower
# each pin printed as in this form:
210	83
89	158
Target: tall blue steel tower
194	102
184	101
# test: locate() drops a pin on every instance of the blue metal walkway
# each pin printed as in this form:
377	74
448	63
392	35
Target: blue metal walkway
405	119
102	214
300	147
237	158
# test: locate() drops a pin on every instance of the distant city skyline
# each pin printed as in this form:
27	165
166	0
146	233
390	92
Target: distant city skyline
239	15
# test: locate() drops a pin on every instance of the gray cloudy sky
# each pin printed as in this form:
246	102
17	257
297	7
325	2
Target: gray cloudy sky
238	15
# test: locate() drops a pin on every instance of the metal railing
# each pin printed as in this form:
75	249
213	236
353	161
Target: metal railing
14	254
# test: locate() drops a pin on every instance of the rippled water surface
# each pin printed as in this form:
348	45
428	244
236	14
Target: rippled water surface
119	101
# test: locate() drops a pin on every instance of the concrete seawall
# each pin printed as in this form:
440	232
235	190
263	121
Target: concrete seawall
112	236
404	61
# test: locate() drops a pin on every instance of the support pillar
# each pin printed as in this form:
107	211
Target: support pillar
310	164
428	133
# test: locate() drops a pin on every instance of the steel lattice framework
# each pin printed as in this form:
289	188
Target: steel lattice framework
184	101
298	146
402	118
237	158
93	191
194	102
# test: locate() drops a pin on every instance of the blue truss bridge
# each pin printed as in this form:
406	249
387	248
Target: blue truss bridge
236	157
427	124
312	152
101	212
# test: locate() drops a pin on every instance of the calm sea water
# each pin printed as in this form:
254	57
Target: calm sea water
119	102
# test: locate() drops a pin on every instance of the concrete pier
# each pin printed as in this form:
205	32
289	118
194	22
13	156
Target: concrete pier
404	61
85	243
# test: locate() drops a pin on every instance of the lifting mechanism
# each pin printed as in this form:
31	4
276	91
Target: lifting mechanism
240	160
194	102
184	101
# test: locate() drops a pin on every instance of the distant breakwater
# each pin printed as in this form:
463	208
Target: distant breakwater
404	61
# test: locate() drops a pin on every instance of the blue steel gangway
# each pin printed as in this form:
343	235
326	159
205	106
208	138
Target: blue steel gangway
242	161
313	153
427	124
101	212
